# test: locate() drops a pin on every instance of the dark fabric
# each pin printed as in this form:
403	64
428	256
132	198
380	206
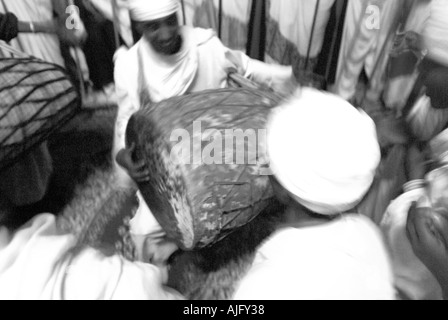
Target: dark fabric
328	59
436	83
256	43
431	72
100	46
9	27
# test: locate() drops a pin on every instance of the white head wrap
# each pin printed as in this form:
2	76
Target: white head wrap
147	10
323	151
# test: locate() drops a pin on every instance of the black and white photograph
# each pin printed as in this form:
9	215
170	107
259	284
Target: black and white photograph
231	151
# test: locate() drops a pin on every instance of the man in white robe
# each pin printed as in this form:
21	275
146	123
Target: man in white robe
171	61
39	262
322	252
416	228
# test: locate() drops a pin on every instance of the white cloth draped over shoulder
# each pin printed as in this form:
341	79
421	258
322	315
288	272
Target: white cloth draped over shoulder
36	264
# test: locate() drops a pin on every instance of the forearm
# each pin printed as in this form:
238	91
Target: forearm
37	27
268	73
279	78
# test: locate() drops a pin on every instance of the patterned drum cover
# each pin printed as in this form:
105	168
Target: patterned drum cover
36	98
207	180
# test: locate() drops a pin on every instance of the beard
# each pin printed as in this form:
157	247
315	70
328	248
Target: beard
170	47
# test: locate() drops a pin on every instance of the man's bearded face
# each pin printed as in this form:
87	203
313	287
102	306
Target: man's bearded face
163	34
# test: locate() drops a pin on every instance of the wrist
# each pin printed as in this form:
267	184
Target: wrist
414	185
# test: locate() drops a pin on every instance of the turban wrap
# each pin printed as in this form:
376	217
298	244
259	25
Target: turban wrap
323	151
148	10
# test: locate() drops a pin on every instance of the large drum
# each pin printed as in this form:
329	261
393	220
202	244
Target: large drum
36	99
206	156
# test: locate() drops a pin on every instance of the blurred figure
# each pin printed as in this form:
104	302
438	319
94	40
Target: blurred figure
172	60
36	29
416	229
39	262
429	115
45	27
323	154
368	27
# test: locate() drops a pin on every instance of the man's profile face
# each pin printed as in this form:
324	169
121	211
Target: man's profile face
163	34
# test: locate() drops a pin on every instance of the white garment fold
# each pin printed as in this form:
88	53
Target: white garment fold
342	260
36	264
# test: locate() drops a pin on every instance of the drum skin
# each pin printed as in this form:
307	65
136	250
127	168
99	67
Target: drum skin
200	203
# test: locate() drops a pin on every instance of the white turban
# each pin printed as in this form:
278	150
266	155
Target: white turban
147	10
323	151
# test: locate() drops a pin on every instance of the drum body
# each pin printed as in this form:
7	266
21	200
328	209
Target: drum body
36	99
206	156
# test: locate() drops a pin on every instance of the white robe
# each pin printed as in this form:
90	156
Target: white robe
341	260
366	40
435	32
35	265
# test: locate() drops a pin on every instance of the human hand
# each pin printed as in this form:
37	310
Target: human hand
427	230
137	171
414	41
159	253
407	41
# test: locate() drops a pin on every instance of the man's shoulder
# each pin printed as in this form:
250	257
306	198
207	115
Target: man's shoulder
126	60
124	52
